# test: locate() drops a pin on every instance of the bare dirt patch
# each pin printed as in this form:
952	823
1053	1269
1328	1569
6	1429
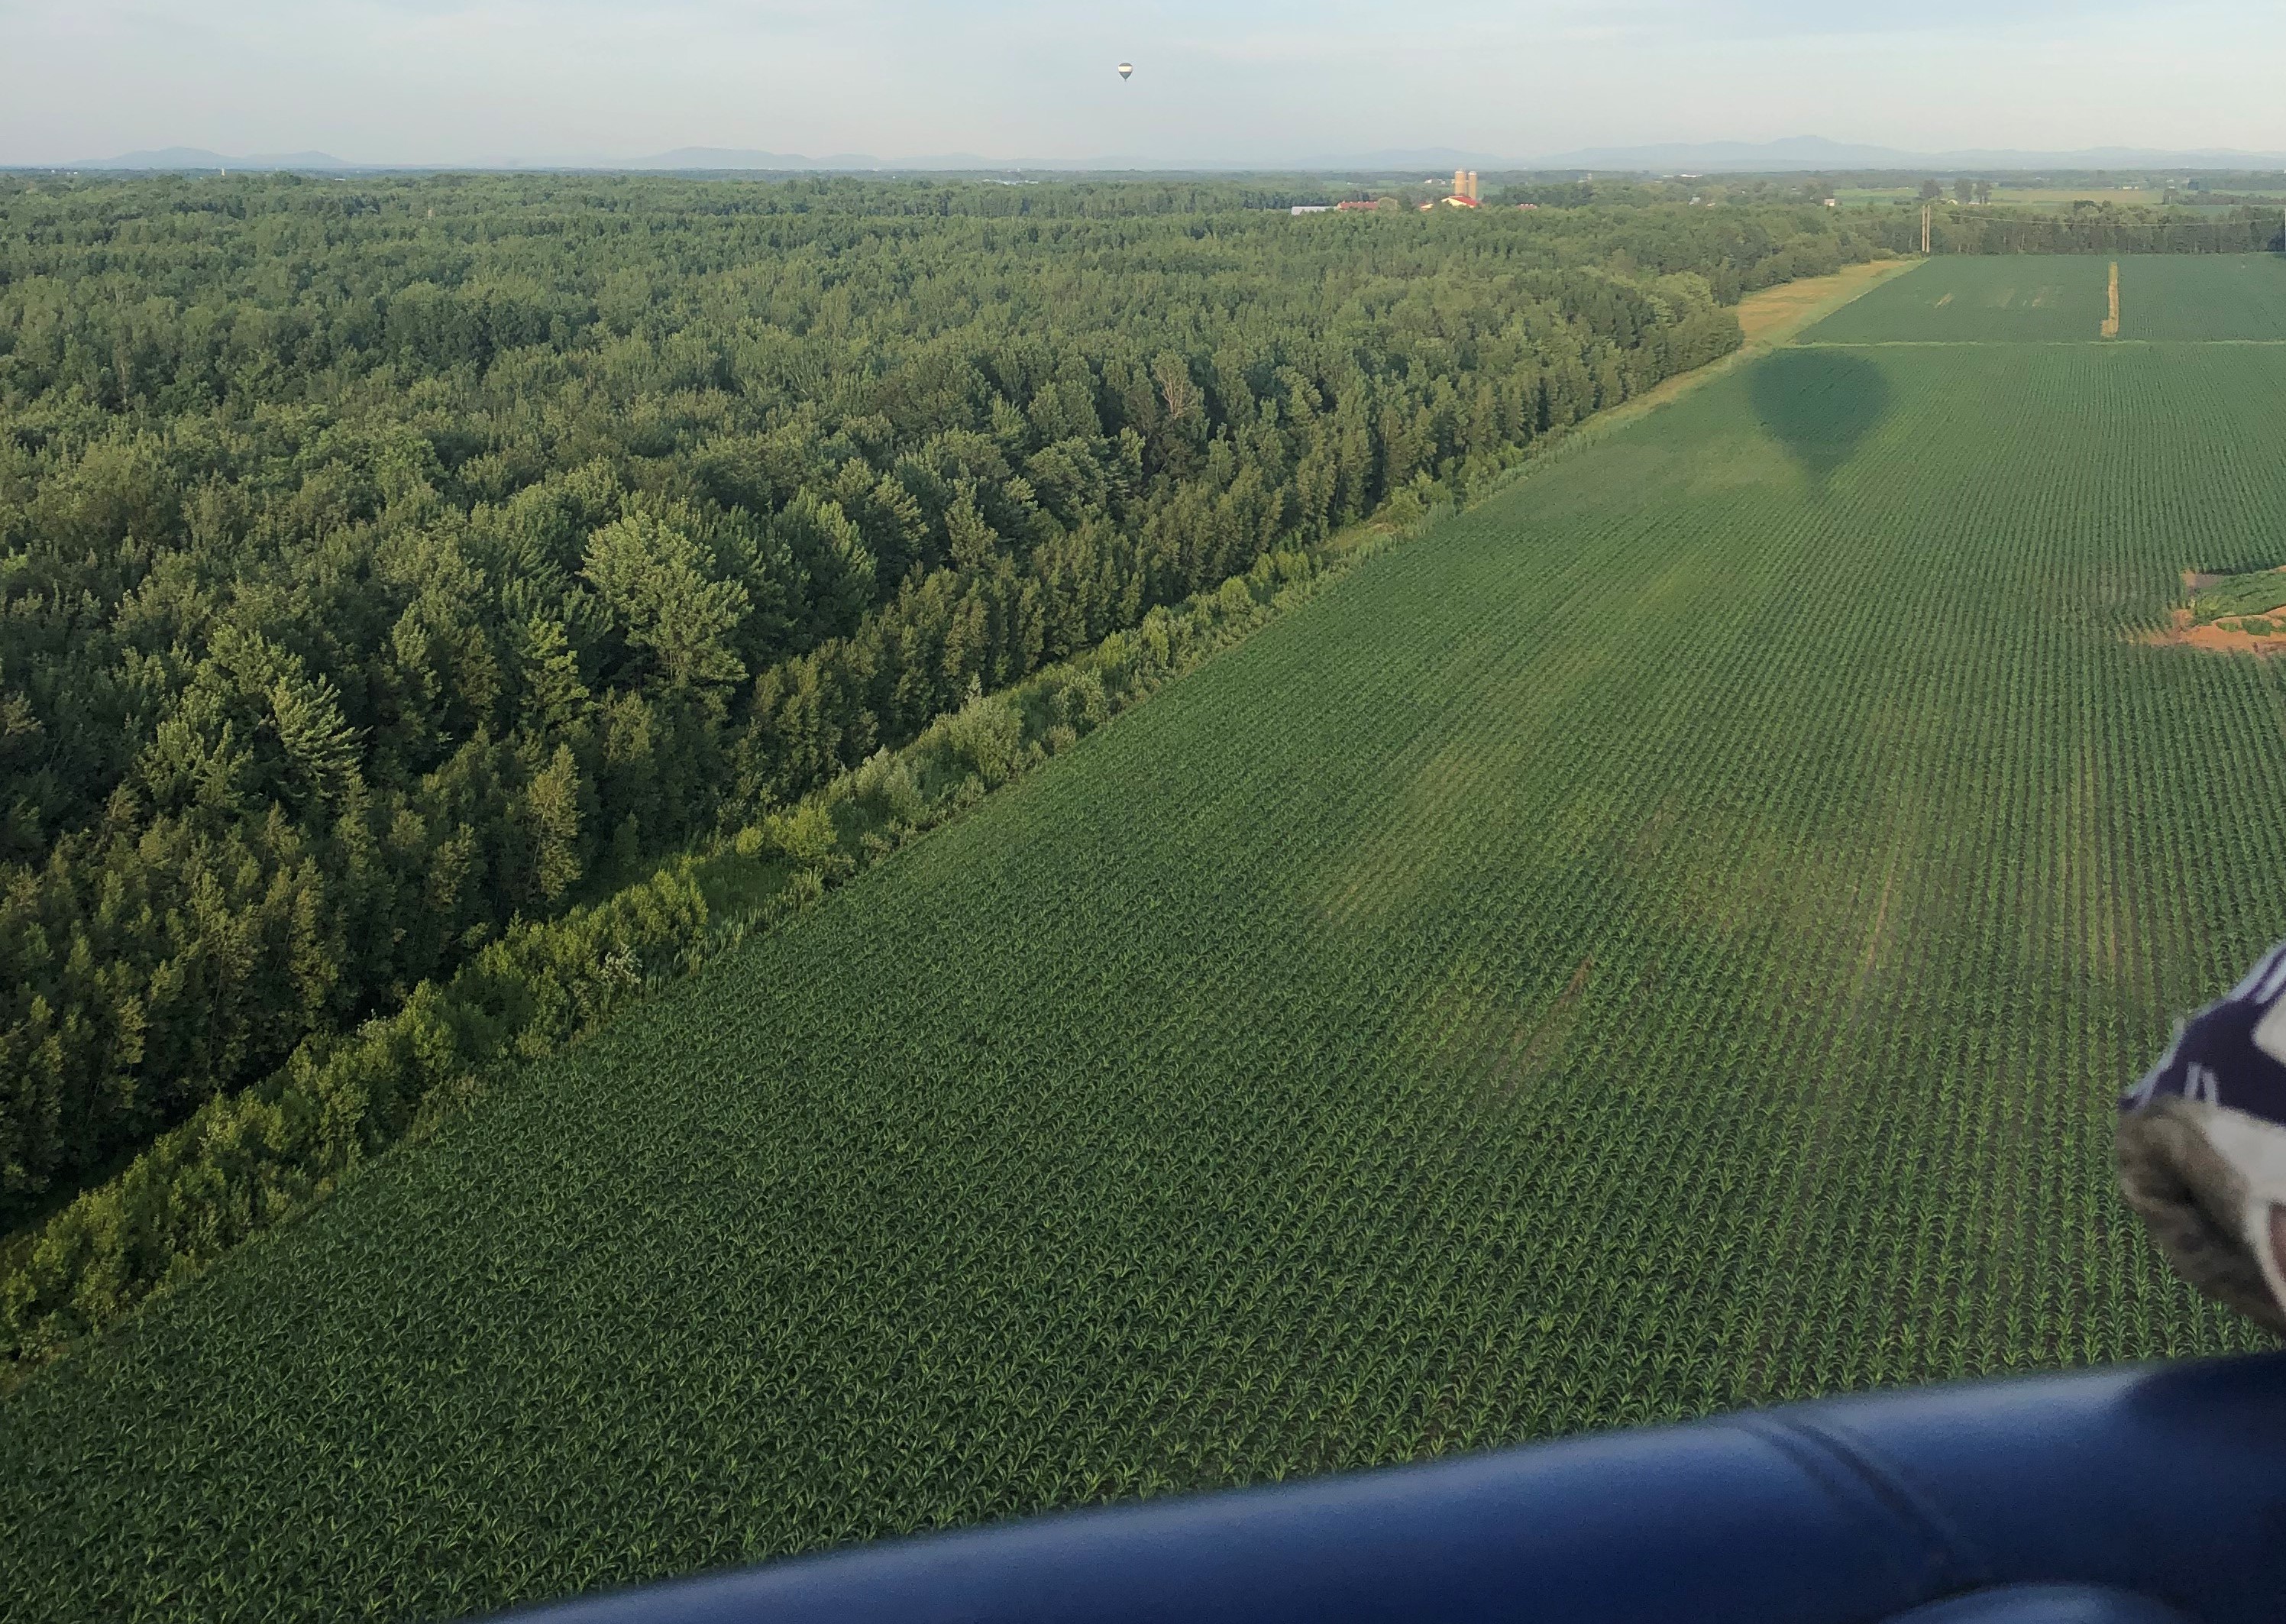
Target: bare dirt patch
2182	632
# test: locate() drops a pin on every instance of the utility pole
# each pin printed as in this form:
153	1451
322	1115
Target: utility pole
1927	209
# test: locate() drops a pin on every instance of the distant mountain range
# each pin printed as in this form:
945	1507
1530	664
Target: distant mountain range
732	158
1429	159
198	158
686	158
1797	153
735	158
1816	153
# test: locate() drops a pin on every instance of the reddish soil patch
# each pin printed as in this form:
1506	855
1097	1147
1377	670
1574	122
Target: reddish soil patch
2215	640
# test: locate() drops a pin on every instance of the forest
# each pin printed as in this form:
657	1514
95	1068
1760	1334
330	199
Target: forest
384	562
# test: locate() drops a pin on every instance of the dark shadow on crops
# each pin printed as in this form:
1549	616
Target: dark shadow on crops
1819	404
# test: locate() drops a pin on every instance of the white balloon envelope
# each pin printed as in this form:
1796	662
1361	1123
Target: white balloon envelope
1127	70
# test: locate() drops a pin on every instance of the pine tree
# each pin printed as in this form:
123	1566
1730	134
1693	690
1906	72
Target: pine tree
553	799
555	699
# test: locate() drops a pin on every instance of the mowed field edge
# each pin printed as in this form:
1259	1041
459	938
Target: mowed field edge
1668	940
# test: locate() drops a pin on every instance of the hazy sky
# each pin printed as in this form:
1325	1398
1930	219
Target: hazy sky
443	81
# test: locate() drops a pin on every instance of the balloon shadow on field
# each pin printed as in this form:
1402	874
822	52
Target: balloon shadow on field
1819	404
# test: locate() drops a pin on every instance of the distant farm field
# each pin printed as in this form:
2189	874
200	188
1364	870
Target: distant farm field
2125	197
2037	197
1668	940
2064	299
2004	298
2203	296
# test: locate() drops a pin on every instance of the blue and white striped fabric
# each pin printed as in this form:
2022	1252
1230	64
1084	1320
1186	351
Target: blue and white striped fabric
2232	1053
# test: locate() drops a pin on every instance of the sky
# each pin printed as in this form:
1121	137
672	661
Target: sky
1235	81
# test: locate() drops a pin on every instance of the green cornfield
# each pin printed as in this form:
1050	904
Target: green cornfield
2002	298
1669	939
2063	299
2203	296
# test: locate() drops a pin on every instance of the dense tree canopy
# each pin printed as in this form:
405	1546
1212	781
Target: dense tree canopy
383	560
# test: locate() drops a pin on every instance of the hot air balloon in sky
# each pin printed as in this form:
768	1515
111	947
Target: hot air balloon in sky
1127	70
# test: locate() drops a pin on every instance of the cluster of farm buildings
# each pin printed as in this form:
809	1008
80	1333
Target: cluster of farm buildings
1467	192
